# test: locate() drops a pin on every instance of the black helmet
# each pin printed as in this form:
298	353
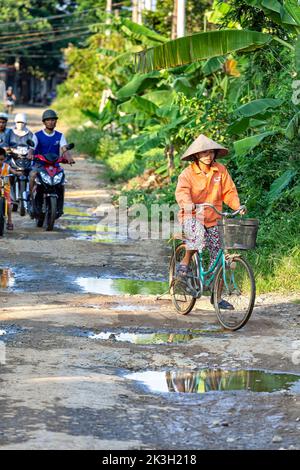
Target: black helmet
49	114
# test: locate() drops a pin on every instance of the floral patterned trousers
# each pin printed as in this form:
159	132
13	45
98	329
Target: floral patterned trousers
199	237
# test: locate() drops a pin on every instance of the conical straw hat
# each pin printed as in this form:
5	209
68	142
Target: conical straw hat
203	143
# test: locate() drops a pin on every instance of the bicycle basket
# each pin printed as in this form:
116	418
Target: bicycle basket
238	234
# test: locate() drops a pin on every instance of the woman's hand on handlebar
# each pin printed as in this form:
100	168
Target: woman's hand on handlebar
243	210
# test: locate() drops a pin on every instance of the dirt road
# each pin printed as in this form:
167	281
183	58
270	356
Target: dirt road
90	359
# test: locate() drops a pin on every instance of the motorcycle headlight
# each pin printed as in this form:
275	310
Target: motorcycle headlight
46	178
22	151
58	178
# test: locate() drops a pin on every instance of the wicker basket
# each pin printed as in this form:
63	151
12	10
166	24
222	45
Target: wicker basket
238	234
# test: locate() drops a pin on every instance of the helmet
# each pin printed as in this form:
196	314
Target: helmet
49	114
4	116
21	117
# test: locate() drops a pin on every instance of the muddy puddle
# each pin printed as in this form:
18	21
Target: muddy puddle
83	224
147	337
7	278
8	330
94	285
216	380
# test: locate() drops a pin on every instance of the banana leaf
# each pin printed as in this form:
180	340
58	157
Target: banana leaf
297	55
122	58
293	8
182	85
160	97
199	46
241	125
141	33
212	65
257	107
138	84
238	127
277	12
279	185
292	129
138	104
244	146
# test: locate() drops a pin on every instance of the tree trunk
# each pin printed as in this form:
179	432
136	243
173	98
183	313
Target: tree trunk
174	21
169	152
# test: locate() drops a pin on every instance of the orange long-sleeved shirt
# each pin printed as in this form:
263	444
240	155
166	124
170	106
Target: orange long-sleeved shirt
216	187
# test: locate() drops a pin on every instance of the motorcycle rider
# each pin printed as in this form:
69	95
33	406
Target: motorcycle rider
20	133
4	132
48	140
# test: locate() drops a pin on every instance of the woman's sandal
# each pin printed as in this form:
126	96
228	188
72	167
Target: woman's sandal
182	270
10	226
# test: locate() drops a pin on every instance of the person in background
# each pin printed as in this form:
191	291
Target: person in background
4	131
10	100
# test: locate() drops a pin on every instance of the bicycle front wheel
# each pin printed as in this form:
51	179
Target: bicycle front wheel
183	301
234	289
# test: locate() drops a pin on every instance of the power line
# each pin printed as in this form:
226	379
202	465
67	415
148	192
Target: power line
36	33
15	48
25	40
51	17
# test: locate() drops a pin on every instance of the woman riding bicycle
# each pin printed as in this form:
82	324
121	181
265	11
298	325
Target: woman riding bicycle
204	180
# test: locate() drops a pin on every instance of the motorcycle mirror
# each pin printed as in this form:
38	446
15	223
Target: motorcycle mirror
70	146
30	143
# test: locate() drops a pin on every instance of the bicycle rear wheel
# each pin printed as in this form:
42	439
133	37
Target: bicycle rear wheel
237	287
182	299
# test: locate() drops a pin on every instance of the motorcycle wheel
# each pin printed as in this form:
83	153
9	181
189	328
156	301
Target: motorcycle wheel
22	209
2	217
40	220
22	205
51	213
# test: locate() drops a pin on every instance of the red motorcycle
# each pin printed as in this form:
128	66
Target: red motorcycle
47	200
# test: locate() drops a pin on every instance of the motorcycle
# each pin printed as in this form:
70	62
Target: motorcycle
20	183
47	201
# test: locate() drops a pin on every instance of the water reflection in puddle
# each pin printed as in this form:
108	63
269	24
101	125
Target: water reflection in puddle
94	285
8	330
7	278
144	338
209	380
85	225
131	308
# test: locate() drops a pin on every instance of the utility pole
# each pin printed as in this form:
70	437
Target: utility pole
137	11
135	4
181	18
108	10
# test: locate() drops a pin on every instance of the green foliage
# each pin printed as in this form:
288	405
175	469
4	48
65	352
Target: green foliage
242	100
198	47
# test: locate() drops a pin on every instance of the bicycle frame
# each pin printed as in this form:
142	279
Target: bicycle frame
207	277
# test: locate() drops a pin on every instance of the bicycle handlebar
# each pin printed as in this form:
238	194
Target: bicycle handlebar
223	214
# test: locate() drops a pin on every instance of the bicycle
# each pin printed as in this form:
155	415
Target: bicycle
230	277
